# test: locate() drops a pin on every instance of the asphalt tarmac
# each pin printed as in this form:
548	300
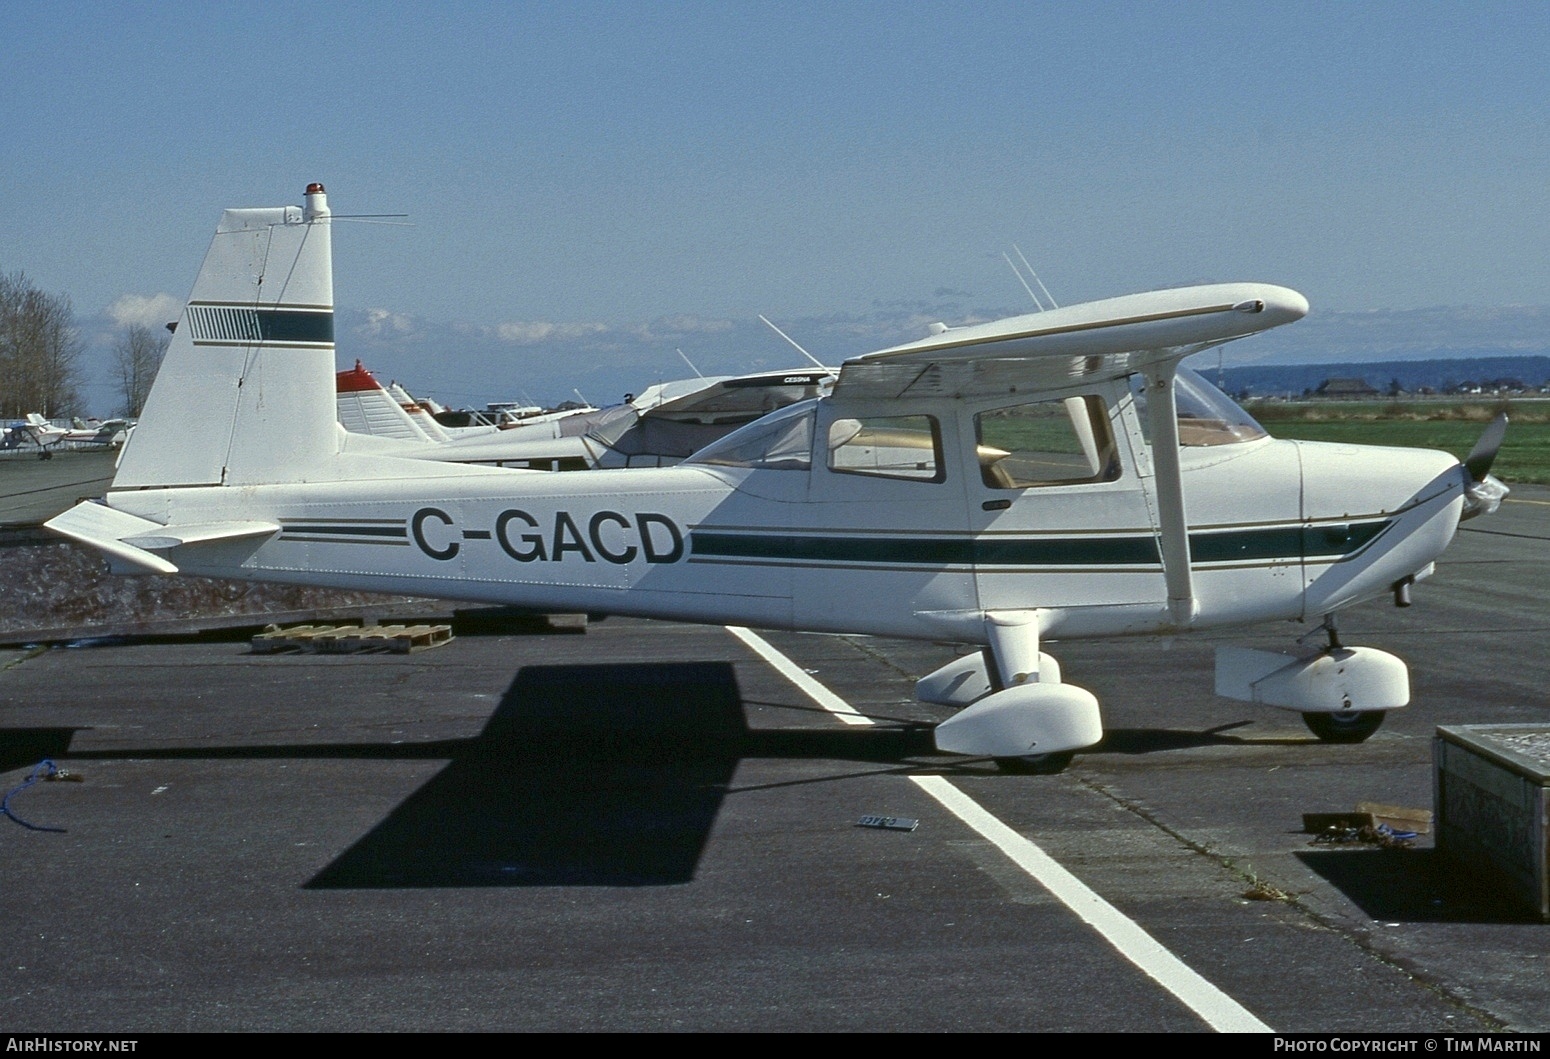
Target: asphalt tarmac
647	827
34	490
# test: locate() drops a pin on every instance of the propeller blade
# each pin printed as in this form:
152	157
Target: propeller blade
1479	460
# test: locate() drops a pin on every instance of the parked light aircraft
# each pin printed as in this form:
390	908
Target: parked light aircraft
666	423
38	431
1002	485
103	433
46	436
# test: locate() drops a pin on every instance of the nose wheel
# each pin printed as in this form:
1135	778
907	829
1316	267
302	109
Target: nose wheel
1349	726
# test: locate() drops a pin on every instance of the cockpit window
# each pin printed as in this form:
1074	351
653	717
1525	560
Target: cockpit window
781	441
1060	442
1207	416
908	447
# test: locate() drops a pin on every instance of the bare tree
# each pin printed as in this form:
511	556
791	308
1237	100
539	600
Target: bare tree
136	356
40	351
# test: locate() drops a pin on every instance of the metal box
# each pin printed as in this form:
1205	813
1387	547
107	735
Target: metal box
1491	785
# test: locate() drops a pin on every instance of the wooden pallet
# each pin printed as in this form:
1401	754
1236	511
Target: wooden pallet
350	639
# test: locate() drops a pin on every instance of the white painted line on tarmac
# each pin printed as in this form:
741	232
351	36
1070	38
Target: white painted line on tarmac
799	676
1220	1011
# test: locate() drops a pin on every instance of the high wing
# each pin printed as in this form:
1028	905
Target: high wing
1059	347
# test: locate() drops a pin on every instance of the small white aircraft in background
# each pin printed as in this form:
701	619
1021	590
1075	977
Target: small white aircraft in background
37	431
98	433
666	423
365	406
1045	477
368	407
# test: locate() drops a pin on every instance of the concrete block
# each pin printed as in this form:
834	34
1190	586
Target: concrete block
1491	790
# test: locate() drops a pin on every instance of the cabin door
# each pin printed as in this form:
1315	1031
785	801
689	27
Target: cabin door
1058	498
884	530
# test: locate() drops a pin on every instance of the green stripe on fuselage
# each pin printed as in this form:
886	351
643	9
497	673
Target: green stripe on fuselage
1287	543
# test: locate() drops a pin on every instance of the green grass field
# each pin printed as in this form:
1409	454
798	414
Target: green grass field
1451	426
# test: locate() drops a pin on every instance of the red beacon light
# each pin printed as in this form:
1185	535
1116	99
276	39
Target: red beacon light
315	189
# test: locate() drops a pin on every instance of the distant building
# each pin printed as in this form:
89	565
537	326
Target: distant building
1346	389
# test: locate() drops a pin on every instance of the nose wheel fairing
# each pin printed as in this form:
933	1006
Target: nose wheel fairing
1014	706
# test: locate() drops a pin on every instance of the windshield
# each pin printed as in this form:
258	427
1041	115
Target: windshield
1207	416
781	441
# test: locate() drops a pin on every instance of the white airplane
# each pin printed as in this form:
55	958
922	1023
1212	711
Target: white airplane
105	433
1004	485
38	431
365	406
664	424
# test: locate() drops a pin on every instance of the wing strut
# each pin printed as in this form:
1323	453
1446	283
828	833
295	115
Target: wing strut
1173	523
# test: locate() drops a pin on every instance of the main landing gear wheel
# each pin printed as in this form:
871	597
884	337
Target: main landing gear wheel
1351	726
1036	764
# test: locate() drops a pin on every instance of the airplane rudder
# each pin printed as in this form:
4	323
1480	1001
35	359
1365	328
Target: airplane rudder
245	391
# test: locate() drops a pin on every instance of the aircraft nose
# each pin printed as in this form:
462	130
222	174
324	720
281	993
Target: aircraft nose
1380	515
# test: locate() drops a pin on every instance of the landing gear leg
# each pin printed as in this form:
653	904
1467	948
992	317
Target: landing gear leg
1012	658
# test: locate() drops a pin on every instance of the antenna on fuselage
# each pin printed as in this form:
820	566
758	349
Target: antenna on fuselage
689	362
1036	279
1024	282
816	362
394	219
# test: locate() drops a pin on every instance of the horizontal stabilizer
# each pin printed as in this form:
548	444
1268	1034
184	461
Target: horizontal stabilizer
103	528
173	536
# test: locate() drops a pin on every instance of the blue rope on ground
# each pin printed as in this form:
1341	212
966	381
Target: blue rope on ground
45	769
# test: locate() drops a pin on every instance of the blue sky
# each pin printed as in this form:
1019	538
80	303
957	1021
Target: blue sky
579	166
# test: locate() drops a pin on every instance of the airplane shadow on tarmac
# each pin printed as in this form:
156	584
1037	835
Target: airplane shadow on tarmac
26	747
583	776
586	776
612	775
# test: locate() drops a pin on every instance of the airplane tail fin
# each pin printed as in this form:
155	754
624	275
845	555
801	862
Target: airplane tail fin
366	407
245	393
419	413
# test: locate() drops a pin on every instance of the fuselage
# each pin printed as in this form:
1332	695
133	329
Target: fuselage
909	519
